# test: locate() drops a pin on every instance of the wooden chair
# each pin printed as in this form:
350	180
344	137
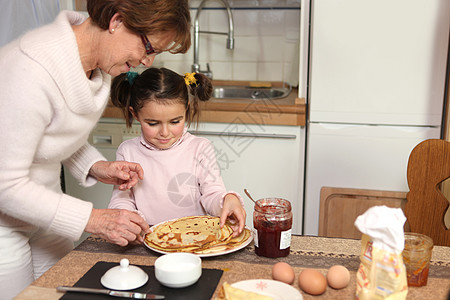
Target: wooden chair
428	166
339	208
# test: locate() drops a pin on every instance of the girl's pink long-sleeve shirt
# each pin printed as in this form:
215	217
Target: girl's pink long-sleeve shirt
183	180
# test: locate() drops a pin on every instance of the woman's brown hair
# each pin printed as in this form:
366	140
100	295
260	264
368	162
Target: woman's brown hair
163	86
147	17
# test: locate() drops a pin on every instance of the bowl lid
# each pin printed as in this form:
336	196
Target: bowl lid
124	277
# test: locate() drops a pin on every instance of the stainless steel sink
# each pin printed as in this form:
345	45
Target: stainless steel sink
246	92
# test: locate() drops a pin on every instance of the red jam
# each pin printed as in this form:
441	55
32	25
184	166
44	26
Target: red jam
272	222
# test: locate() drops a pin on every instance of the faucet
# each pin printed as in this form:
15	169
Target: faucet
230	38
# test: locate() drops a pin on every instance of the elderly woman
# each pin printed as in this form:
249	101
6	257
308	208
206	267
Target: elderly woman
55	83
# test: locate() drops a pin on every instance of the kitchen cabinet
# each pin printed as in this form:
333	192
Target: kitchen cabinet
265	159
80	5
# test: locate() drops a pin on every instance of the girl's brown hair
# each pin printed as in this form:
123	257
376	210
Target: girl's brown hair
147	17
163	86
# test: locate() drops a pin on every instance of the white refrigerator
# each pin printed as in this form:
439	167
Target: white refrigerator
376	84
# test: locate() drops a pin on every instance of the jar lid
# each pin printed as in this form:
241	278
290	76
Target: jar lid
124	277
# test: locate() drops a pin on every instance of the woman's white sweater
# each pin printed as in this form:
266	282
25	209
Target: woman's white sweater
47	108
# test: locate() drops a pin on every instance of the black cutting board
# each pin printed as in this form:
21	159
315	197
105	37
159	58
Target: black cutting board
203	289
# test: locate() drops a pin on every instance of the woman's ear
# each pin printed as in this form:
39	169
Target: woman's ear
115	22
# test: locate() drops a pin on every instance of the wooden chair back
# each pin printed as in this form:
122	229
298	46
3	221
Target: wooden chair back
339	208
425	208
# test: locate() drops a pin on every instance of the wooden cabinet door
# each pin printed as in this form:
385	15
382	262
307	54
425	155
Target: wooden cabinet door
80	5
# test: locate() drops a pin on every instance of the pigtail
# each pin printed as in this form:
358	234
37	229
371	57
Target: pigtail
203	87
121	95
200	89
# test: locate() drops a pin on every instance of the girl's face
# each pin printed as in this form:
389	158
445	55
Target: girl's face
162	124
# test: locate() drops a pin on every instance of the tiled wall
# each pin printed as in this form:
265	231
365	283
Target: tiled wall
266	46
266	41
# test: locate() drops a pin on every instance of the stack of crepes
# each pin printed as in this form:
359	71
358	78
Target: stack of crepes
195	234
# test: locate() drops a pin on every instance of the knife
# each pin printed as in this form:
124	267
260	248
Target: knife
109	292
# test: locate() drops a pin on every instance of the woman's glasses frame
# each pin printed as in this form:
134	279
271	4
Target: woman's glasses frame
148	46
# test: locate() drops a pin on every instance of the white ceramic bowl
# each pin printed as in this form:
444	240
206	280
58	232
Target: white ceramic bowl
177	270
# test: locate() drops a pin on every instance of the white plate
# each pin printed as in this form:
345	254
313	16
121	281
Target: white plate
241	246
272	288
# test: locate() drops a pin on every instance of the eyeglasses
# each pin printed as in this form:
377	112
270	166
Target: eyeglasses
148	47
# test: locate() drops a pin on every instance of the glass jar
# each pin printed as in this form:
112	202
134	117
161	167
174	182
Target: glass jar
272	223
416	256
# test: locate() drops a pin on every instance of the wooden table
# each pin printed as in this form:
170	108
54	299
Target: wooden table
306	252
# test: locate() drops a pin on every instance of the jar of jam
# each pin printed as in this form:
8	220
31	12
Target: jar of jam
272	223
416	256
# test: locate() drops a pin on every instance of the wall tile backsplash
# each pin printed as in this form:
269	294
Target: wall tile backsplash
266	46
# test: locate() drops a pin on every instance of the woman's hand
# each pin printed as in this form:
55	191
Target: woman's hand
235	212
118	226
122	173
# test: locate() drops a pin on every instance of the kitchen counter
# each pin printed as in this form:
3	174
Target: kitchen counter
290	110
306	252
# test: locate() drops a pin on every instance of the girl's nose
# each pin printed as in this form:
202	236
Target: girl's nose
164	131
147	61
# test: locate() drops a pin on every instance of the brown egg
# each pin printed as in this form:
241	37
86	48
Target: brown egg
338	277
312	282
282	271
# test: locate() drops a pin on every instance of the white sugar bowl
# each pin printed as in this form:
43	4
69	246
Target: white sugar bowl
177	270
124	277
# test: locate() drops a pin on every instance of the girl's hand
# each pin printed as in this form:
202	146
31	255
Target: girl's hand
235	212
122	173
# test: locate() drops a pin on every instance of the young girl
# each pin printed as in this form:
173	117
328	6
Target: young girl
181	175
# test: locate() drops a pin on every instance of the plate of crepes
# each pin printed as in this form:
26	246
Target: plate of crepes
200	235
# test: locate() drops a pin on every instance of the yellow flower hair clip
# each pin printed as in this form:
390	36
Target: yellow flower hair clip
189	78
